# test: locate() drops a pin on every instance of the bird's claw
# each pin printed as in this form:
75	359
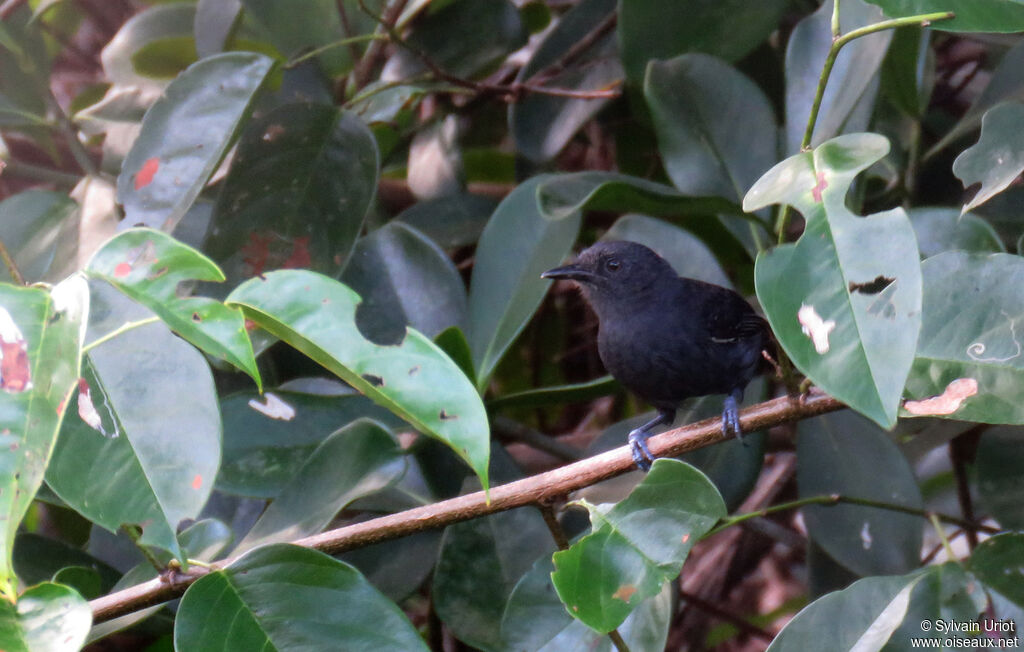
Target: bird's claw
731	420
642	455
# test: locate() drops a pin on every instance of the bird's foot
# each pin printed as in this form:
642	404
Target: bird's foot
642	456
731	419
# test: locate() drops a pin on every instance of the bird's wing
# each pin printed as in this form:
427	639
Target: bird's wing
729	317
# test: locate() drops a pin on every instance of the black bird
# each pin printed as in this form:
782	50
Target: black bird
665	337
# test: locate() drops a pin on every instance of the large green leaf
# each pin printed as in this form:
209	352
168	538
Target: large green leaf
535	619
997	159
149	453
185	135
941	229
479	564
518	244
413	379
843	453
357	460
970	360
908	72
996	562
1000	470
845	300
945	593
542	124
149	266
24	71
971	15
33	224
41	335
651	29
268	438
297	192
283	597
852	80
318	23
404	280
637	545
214	22
47	618
861	617
167	23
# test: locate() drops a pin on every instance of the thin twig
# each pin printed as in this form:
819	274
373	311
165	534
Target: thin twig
531	490
40	173
12	267
78	151
513	430
374	54
123	328
554	527
330	46
960	453
577	49
723	614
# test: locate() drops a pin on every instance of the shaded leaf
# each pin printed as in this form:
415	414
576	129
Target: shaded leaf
357	460
294	32
687	254
149	266
908	72
452	220
970	356
154	399
971	15
214	22
997	159
845	454
945	593
996	562
518	244
185	135
637	545
33	224
556	394
47	617
999	464
941	229
297	192
845	300
41	335
316	603
414	379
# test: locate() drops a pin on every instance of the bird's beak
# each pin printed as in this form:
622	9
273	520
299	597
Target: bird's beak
571	273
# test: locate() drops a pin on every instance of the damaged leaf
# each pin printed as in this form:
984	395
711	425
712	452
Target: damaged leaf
852	272
637	545
317	315
997	159
149	266
970	358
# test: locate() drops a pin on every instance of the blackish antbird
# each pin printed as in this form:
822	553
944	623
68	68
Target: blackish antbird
665	337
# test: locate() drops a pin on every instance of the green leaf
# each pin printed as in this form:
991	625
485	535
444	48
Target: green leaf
996	562
945	593
149	266
637	545
971	15
357	460
170	21
214	22
452	220
47	618
853	78
32	226
969	357
24	71
845	454
542	124
414	379
999	464
861	617
283	597
908	72
518	244
847	282
42	335
730	29
265	447
557	394
941	229
696	101
997	159
294	32
534	619
687	254
479	564
405	280
297	192
185	135
160	442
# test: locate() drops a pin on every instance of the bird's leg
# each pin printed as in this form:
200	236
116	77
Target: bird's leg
731	415
638	439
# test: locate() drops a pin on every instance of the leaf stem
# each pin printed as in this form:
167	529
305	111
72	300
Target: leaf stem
934	518
12	268
135	534
618	641
838	41
336	44
123	328
78	151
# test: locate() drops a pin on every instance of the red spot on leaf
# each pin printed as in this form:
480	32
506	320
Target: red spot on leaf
250	325
299	257
256	253
15	372
817	190
122	270
624	593
197	481
147	172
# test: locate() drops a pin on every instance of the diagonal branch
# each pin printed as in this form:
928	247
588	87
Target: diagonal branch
527	491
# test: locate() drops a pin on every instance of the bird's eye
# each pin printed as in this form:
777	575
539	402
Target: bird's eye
612	264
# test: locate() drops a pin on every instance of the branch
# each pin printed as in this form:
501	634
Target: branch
528	491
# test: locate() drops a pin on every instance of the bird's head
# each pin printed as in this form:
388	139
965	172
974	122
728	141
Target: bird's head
615	272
